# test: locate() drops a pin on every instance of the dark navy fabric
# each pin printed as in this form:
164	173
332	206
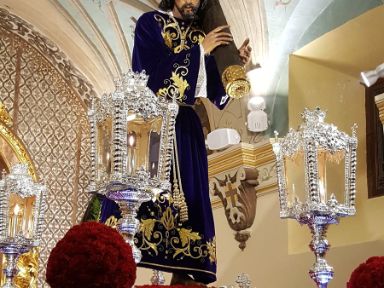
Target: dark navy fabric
194	251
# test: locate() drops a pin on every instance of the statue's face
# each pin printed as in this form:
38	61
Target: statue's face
187	8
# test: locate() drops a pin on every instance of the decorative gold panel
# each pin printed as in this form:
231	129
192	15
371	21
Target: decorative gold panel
46	96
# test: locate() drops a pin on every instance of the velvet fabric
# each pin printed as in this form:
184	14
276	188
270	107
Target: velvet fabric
173	65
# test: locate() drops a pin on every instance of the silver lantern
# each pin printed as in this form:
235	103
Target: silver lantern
22	208
309	168
132	133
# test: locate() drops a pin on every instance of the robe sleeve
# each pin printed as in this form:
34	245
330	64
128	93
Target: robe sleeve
215	89
169	73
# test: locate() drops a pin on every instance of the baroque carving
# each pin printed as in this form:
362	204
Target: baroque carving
57	58
236	191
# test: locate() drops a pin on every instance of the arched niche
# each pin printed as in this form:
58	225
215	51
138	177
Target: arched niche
45	95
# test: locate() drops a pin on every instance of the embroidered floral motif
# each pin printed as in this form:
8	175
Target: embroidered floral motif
168	220
178	39
180	83
111	222
167	36
212	250
147	226
163	232
177	85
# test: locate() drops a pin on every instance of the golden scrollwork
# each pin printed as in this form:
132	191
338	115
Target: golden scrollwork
28	269
177	85
111	222
164	233
4	116
18	148
211	245
179	38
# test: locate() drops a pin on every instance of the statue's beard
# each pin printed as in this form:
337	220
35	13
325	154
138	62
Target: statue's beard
188	11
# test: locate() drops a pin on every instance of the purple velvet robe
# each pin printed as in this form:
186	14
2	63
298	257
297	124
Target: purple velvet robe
168	50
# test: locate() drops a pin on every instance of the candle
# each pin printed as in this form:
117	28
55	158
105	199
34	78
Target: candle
10	227
322	190
322	177
16	211
131	153
294	196
30	228
131	140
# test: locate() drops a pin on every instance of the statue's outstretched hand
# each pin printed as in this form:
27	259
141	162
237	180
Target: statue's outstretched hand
216	38
245	51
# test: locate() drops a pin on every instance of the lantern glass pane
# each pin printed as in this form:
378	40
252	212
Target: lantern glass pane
104	155
295	178
21	218
143	145
331	172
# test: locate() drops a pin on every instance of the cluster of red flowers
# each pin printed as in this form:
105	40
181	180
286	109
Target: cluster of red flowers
91	255
369	274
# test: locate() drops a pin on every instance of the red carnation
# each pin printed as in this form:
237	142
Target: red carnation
91	255
369	274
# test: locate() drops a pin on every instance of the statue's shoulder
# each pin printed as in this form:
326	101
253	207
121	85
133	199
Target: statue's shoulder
153	16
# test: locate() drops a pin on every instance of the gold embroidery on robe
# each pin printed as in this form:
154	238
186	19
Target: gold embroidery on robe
212	250
111	222
178	39
176	85
164	233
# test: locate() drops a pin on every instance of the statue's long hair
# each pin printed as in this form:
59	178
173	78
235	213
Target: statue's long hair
167	5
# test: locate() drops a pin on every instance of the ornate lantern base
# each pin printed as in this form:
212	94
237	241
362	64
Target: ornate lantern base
12	251
320	272
129	200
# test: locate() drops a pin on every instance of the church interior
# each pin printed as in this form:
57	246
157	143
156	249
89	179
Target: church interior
56	55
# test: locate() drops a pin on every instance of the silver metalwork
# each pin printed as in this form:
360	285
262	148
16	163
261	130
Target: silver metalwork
120	170
22	208
243	281
315	138
158	278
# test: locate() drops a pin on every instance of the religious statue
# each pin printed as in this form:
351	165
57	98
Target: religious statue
177	230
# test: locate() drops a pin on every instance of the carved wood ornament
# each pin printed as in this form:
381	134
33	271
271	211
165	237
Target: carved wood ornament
236	191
